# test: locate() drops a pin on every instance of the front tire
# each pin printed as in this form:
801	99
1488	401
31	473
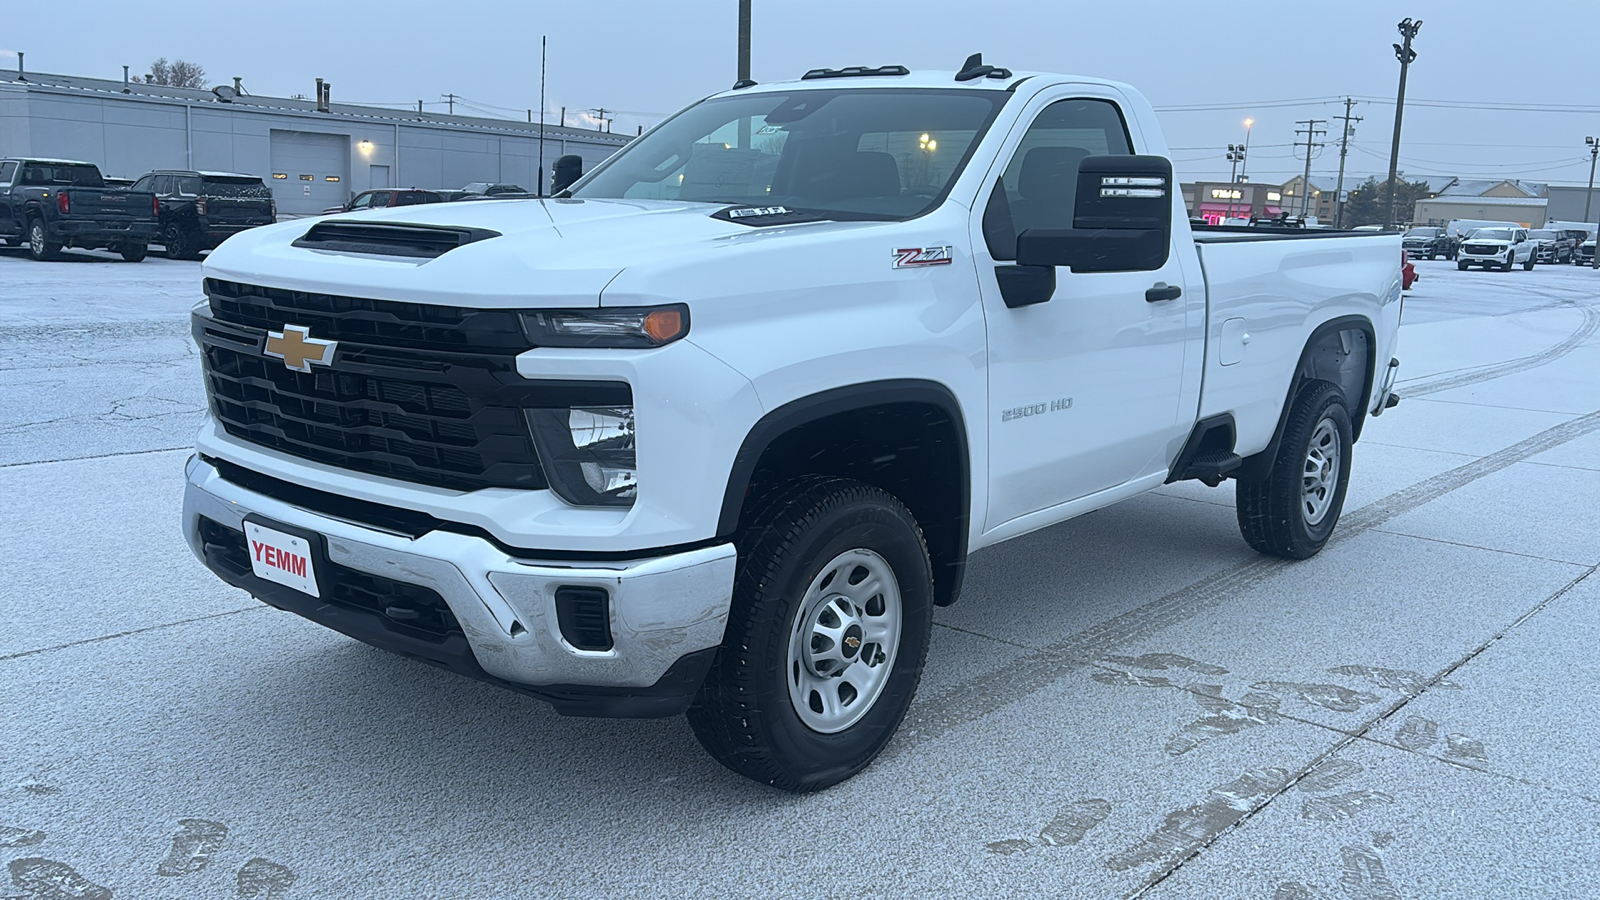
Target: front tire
832	611
1528	266
1461	266
1292	510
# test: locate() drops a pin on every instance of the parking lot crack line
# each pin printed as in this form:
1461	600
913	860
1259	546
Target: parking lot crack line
41	462
982	696
1436	540
1363	733
987	637
131	632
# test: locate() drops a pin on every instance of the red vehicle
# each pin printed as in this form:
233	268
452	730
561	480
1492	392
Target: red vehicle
383	197
1408	272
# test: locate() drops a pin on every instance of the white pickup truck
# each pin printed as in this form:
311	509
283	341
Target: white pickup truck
717	430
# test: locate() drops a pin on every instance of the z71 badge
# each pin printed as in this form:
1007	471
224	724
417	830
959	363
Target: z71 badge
915	257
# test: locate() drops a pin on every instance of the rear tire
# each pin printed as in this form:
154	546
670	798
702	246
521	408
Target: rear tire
134	252
1528	266
1462	266
825	563
40	247
1292	510
181	242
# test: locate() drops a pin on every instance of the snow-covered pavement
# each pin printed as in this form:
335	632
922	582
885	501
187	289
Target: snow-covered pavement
1132	702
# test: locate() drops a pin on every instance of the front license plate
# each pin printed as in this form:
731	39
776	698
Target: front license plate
281	557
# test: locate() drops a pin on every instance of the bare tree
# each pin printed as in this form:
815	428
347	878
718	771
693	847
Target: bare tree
177	73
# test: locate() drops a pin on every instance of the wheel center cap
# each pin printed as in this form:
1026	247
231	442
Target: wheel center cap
852	641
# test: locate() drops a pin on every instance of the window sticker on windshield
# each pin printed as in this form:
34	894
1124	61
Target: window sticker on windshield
748	211
916	257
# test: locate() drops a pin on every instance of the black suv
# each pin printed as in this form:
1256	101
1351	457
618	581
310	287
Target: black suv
200	210
1427	242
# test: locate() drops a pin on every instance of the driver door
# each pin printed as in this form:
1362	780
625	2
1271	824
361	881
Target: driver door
1088	390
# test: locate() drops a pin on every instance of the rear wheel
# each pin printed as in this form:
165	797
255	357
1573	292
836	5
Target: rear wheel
1528	265
181	242
1292	510
133	252
40	247
826	640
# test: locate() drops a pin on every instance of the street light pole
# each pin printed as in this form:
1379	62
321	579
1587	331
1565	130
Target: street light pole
1594	153
1235	157
1245	151
1406	55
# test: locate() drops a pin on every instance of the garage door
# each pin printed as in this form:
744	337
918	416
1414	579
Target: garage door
310	171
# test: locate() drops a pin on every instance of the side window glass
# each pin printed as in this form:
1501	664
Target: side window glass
380	199
189	185
1040	185
7	169
163	185
142	184
362	202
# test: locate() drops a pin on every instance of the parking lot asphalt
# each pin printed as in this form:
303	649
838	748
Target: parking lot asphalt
1132	703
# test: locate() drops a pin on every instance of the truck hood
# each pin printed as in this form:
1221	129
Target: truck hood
548	253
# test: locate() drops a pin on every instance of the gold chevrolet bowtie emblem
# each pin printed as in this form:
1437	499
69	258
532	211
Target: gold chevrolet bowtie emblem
298	349
852	642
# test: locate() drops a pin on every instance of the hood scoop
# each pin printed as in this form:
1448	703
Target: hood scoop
391	238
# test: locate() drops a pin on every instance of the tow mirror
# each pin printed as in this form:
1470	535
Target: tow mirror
1121	222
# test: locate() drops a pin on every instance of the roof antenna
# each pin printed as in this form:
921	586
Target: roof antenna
974	68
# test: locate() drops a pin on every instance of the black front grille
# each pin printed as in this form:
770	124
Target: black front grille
1483	249
389	323
410	424
404	607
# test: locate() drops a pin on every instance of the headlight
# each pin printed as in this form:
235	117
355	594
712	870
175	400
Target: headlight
634	327
588	453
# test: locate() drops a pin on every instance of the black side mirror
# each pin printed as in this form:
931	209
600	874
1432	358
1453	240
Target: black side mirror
1122	220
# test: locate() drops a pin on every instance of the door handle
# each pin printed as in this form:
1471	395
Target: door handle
1162	291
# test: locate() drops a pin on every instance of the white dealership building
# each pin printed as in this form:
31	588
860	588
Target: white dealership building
314	154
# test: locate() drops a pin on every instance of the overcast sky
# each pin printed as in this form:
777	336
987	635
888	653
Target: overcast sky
1499	89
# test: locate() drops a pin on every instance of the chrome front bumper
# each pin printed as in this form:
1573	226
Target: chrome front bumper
661	608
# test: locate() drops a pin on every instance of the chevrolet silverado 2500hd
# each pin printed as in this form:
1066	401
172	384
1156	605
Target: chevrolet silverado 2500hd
718	430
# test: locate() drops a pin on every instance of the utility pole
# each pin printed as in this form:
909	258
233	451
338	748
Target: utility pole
1344	149
452	99
601	115
1310	131
1406	55
744	68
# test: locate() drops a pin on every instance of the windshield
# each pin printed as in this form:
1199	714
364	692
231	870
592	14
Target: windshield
1491	234
1422	233
1543	235
848	154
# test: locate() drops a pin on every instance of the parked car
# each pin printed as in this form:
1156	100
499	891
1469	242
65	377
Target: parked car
642	457
200	210
1408	271
52	203
382	198
489	187
453	196
1460	228
1585	254
1428	242
1551	246
1499	248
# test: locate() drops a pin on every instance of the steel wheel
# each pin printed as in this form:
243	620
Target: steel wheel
1320	478
843	641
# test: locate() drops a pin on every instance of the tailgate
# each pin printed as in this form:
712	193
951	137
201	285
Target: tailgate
109	204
